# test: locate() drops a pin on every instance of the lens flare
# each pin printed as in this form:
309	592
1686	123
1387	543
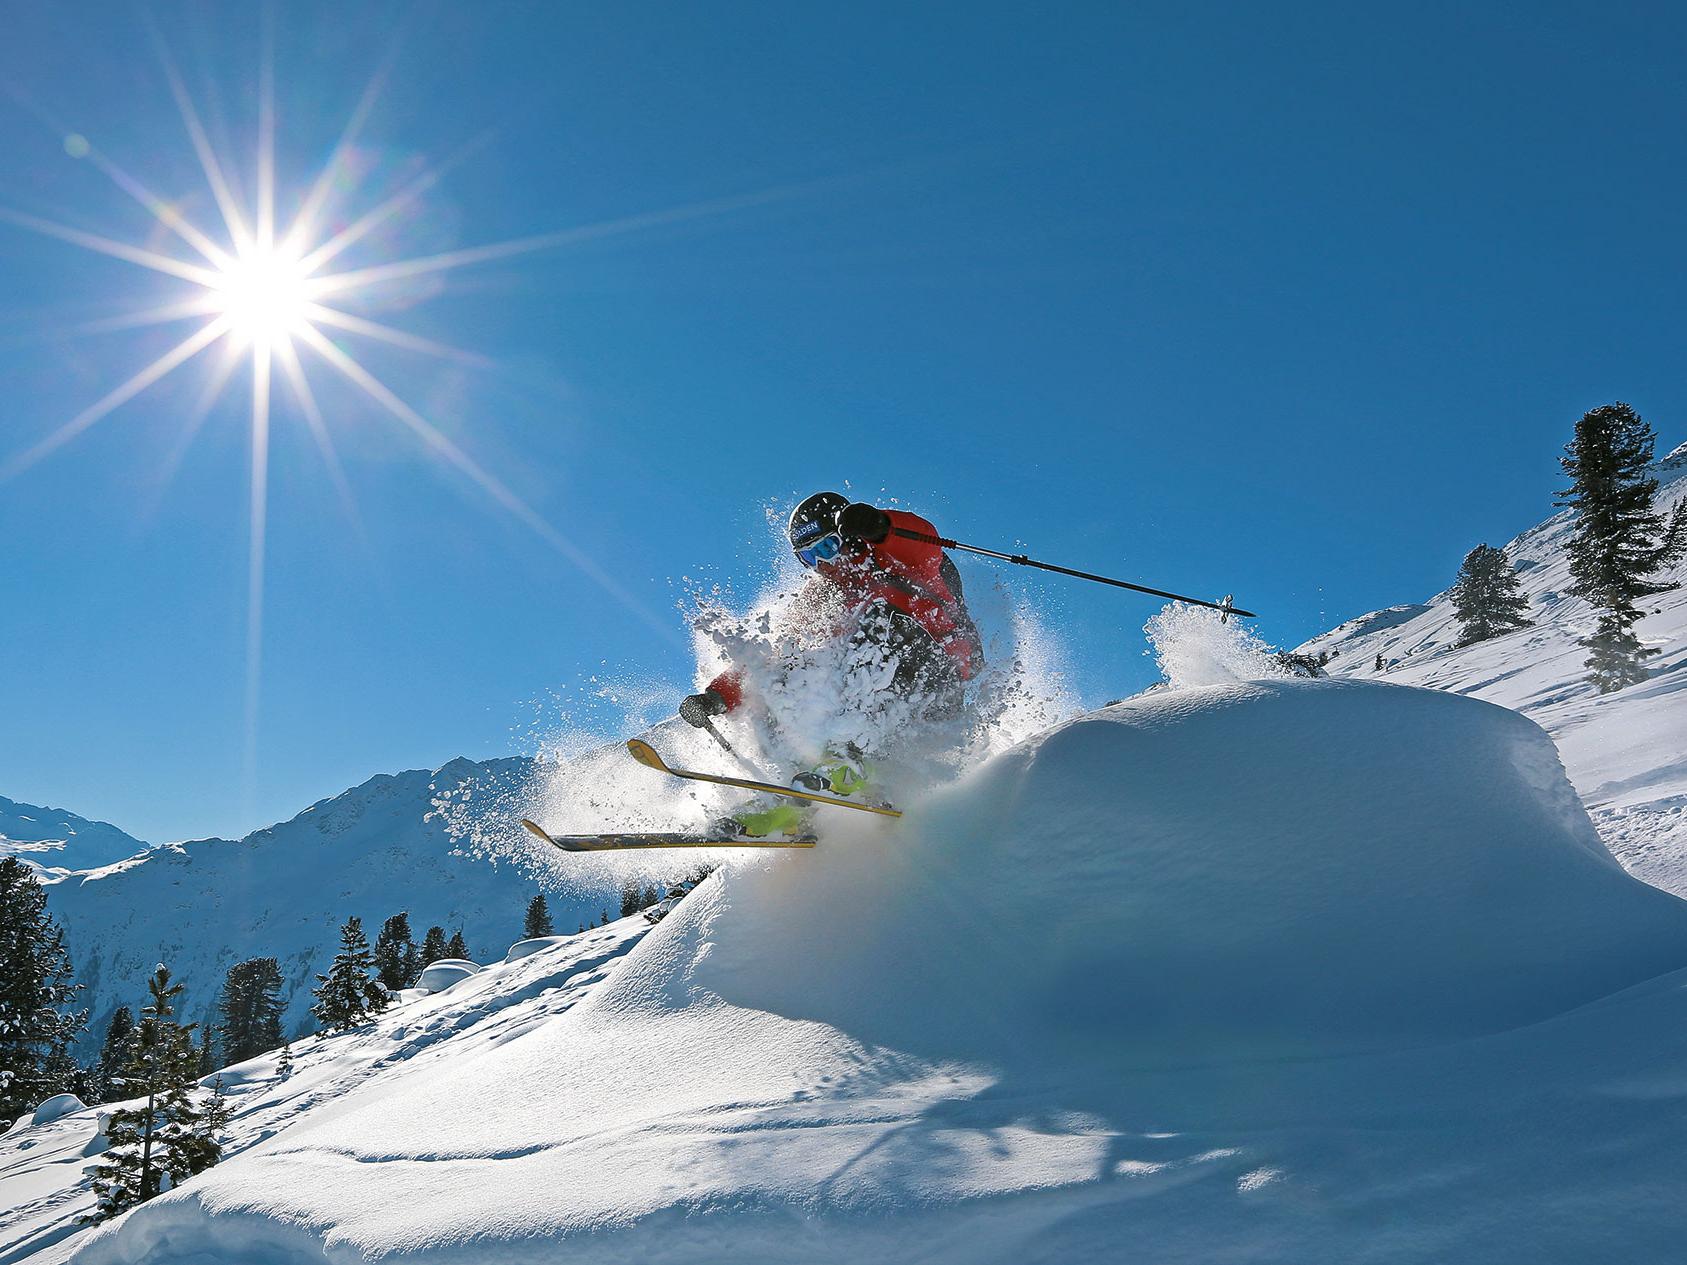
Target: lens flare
263	294
262	291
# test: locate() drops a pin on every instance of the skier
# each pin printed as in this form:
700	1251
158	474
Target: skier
874	580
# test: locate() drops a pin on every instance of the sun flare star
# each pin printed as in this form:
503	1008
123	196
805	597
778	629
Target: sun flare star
261	292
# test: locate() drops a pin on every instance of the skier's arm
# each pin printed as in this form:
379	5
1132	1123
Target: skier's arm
932	568
918	556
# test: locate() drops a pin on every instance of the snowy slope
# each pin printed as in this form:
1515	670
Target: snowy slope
283	892
1167	983
43	1189
53	839
1626	752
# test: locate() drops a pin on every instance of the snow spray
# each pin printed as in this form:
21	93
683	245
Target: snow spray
1194	647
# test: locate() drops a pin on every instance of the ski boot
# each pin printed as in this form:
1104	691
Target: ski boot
787	821
840	771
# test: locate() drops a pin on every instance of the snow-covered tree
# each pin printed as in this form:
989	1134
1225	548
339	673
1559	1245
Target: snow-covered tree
36	1025
249	1009
538	922
1487	598
115	1054
169	1137
395	953
433	946
1620	541
348	994
456	946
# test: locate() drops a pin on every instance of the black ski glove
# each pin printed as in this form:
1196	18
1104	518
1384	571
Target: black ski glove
863	522
698	708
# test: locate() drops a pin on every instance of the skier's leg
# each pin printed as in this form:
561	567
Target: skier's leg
763	820
843	769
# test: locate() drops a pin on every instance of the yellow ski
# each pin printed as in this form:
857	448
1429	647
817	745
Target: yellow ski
625	842
647	755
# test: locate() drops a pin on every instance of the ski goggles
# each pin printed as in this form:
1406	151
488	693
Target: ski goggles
823	550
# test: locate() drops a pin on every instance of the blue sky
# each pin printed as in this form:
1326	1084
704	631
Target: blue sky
1295	302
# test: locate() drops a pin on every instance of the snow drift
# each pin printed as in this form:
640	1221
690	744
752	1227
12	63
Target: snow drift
1242	871
1067	1008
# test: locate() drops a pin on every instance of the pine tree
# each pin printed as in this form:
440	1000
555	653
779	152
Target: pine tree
433	947
347	995
1487	598
249	1010
200	1147
630	894
284	1062
538	921
395	952
456	946
1619	541
168	1139
36	1031
114	1055
604	920
207	1062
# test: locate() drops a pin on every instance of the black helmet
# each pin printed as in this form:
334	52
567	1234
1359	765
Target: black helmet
814	518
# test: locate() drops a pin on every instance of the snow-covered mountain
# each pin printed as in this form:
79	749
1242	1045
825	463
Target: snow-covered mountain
1167	983
1626	752
283	892
53	839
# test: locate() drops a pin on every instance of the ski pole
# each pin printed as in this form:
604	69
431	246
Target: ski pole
1227	607
727	747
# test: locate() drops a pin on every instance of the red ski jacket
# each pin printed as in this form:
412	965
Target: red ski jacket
910	575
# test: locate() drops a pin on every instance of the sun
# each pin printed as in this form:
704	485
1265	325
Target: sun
272	296
263	294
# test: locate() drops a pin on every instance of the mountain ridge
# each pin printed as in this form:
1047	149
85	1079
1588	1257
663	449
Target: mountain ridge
375	849
52	839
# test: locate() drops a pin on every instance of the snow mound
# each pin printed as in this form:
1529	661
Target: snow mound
436	977
1054	1014
56	1106
1240	871
527	948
